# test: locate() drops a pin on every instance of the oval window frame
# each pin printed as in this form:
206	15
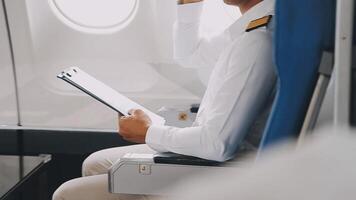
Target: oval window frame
86	28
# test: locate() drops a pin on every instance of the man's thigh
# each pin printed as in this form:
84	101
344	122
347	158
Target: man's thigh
100	161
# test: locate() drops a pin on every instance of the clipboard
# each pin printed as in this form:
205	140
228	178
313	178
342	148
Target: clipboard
105	94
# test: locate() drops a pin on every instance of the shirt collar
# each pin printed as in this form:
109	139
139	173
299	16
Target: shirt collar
266	7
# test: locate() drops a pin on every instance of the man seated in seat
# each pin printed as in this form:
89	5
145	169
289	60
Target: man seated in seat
234	106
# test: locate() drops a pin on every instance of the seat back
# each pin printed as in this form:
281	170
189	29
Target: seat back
304	29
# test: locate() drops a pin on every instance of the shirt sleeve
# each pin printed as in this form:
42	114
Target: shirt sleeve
191	50
240	97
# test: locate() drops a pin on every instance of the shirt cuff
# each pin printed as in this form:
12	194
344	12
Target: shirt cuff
154	137
189	13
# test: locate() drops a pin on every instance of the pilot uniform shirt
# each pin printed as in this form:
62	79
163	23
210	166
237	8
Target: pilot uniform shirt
240	84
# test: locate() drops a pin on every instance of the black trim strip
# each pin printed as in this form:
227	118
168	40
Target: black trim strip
57	142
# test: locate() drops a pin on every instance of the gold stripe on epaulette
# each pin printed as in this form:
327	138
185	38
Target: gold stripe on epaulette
257	23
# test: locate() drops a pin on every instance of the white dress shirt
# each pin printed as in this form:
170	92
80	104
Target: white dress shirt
240	84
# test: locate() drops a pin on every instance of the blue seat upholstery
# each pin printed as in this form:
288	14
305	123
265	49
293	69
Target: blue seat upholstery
304	29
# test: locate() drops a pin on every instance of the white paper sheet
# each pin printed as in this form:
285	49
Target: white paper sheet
105	94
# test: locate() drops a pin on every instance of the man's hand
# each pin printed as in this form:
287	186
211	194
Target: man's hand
188	1
134	127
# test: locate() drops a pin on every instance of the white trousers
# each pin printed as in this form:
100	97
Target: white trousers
94	183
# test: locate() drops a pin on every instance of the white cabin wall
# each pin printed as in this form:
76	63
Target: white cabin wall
8	112
126	60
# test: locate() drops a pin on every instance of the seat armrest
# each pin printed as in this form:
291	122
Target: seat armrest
149	174
177	159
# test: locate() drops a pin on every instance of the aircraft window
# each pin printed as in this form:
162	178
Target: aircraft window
95	16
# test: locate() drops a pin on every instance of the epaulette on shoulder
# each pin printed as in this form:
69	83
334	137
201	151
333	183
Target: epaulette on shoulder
257	23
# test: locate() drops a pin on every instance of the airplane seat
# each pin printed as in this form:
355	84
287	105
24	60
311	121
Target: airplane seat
302	34
326	116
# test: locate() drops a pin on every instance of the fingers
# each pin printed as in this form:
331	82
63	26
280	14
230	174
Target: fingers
123	123
133	127
124	119
136	112
124	128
